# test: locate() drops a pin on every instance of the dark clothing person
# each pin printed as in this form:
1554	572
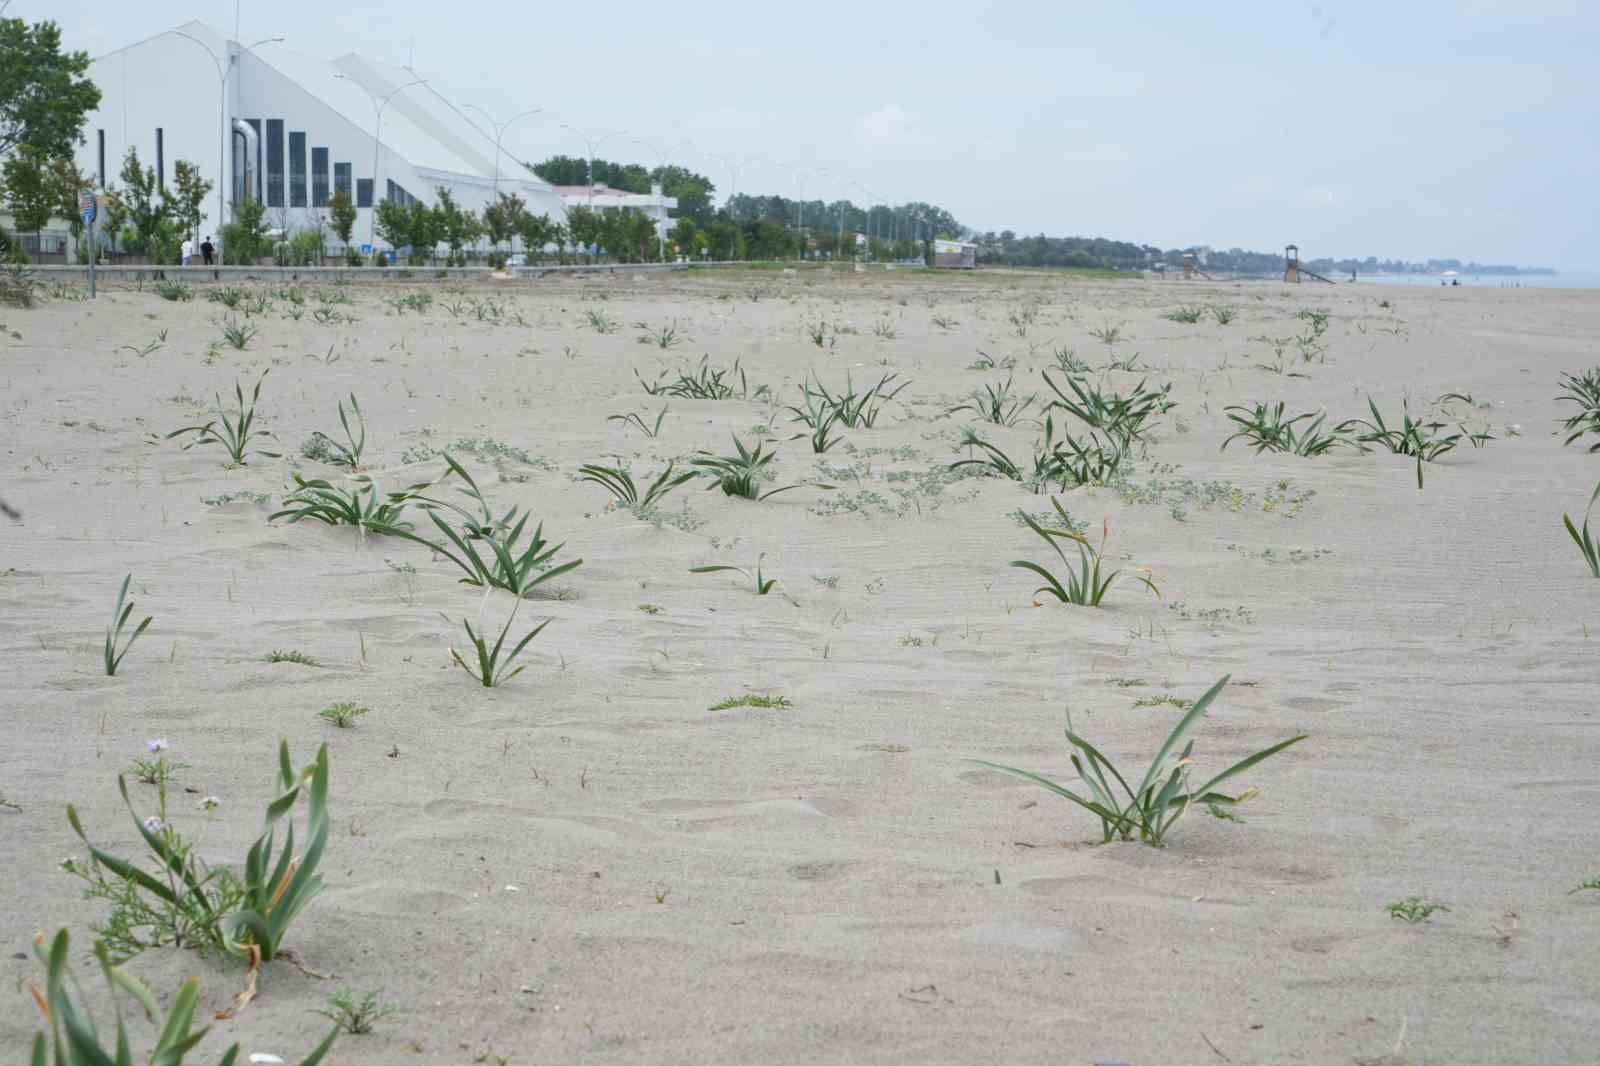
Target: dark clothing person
208	251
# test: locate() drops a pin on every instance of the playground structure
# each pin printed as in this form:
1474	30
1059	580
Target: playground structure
1292	268
1191	267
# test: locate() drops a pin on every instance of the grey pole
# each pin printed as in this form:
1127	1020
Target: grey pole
377	145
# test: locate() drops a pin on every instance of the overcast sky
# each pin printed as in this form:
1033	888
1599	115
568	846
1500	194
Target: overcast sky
1405	128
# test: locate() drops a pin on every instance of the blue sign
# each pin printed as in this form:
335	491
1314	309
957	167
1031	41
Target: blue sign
86	204
366	249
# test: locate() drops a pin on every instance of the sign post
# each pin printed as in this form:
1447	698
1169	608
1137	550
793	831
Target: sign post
87	205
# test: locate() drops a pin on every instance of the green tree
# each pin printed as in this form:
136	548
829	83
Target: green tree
584	226
393	224
425	231
536	231
502	220
144	210
44	95
116	214
450	222
189	191
342	216
694	192
687	236
25	177
66	182
244	240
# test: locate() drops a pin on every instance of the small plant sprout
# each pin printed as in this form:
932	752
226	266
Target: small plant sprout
663	337
232	431
1583	390
619	482
995	404
157	770
361	505
72	1038
357	1014
763	585
343	715
1186	315
1590	885
297	657
237	334
491	669
1163	795
760	701
1587	544
1414	909
740	475
1413	437
650	430
1086	586
704	383
518	569
348	454
119	618
1266	430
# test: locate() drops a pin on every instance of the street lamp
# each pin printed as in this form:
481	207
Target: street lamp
222	108
594	144
733	166
499	132
378	104
661	165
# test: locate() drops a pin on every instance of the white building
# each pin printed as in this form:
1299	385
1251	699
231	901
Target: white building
291	130
653	204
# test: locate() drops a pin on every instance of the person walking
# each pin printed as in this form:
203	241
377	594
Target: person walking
188	251
208	251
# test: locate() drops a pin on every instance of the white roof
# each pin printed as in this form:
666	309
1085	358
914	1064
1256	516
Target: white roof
419	124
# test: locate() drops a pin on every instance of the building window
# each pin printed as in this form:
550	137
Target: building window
398	194
297	169
341	179
319	177
274	162
161	161
100	138
261	167
363	192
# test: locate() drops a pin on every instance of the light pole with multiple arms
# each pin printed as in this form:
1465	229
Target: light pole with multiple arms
594	144
661	165
378	104
500	132
222	107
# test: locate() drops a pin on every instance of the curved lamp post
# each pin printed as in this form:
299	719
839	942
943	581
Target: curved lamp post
378	104
222	108
499	133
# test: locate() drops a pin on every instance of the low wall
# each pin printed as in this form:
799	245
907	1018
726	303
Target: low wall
409	275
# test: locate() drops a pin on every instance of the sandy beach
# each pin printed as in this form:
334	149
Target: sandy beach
590	864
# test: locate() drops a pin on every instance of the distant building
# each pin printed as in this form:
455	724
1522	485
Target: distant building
292	130
653	204
955	255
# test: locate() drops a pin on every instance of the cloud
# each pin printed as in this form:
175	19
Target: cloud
1097	155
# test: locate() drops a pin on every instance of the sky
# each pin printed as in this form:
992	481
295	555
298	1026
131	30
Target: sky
1402	129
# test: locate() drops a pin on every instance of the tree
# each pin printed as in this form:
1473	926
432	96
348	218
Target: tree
244	239
116	214
687	236
65	183
584	226
536	231
503	219
189	190
451	223
422	226
28	195
574	170
144	210
44	95
693	191
393	224
342	216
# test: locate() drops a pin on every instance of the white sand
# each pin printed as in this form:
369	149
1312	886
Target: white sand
829	870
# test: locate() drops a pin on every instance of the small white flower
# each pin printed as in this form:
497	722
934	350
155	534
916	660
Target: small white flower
158	745
210	802
154	824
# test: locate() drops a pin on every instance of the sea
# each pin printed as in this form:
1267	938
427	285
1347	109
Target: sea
1567	279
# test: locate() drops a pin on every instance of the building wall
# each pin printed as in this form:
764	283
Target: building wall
168	82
